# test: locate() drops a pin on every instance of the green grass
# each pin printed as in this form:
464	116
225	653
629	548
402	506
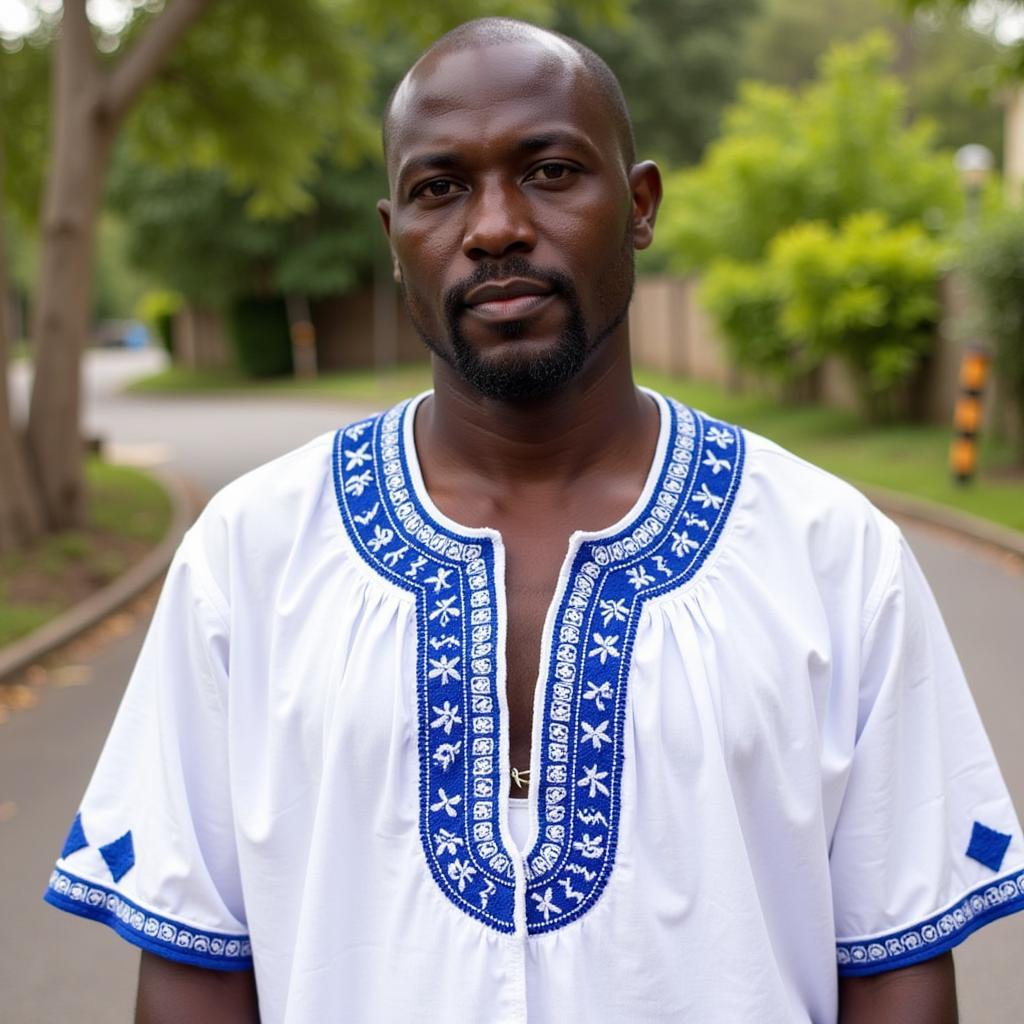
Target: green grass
909	459
123	503
127	502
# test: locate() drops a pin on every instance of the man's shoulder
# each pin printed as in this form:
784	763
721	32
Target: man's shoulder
264	513
809	512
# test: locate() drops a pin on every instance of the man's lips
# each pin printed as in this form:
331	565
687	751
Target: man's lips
506	300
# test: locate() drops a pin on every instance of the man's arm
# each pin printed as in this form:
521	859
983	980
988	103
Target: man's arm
924	993
176	993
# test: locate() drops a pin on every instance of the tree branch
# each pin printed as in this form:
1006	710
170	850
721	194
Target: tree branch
147	58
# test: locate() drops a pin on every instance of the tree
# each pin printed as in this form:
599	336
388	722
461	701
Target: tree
990	13
23	88
677	63
89	104
259	91
816	217
836	147
21	519
945	62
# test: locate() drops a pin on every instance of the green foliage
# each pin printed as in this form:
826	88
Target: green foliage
259	331
676	62
192	232
946	63
259	89
745	301
837	146
1012	62
157	308
865	292
995	263
24	100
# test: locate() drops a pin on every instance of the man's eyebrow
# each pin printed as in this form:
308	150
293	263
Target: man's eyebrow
545	140
427	162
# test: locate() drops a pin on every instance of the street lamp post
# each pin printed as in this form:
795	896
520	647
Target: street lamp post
974	164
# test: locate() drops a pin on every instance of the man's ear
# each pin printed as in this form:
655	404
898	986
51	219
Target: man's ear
384	210
645	188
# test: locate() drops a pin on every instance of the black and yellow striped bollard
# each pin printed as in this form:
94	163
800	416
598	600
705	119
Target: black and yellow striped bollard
963	453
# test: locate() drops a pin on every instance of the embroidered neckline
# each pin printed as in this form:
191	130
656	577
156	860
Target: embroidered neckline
455	574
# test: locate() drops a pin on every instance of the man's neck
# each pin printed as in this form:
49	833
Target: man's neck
596	421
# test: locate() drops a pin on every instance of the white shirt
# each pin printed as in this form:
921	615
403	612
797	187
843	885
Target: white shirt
755	760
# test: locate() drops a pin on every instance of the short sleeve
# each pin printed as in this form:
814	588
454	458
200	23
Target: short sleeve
927	847
151	852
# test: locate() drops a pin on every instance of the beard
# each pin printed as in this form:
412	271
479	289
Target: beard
519	376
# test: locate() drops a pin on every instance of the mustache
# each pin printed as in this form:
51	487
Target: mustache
512	266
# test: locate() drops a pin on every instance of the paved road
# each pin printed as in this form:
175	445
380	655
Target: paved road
54	968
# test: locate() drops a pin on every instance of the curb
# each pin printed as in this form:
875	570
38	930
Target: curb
23	652
993	535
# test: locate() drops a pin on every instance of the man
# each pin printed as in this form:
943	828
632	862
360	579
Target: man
758	787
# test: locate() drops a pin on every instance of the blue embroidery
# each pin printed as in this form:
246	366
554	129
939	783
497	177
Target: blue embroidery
937	934
150	931
453	578
76	839
988	846
119	855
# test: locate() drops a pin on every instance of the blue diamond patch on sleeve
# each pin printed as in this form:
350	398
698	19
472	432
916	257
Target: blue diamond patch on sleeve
76	839
987	846
119	855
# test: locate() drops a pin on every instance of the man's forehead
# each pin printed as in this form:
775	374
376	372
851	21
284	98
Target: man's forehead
457	89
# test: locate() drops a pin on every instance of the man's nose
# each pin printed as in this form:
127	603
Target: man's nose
499	223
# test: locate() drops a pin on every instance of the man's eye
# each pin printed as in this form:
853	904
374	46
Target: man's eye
551	172
437	189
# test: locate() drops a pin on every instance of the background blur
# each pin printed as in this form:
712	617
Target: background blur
193	280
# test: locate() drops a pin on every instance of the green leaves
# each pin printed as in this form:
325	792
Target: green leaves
865	292
816	220
835	147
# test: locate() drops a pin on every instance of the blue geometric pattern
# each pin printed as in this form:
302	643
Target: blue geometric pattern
152	932
459	663
937	934
76	839
119	855
987	846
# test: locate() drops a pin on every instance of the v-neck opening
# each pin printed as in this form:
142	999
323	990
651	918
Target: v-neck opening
576	539
455	575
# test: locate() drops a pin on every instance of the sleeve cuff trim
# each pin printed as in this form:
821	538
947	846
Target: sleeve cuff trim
936	934
151	932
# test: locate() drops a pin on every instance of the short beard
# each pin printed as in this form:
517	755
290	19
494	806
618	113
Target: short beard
520	377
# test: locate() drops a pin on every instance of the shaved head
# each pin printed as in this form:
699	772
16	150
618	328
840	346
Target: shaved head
486	32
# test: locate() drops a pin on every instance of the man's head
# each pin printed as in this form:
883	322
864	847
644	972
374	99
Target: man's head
515	205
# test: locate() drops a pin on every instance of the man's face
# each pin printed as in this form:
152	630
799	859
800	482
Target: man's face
511	215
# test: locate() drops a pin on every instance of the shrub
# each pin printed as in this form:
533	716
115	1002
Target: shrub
867	293
745	302
262	341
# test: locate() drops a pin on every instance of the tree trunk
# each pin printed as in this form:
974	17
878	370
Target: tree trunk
20	513
88	108
79	148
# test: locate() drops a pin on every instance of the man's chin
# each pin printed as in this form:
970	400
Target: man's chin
524	370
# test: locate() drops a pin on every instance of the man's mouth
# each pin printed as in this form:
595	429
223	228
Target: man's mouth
511	299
